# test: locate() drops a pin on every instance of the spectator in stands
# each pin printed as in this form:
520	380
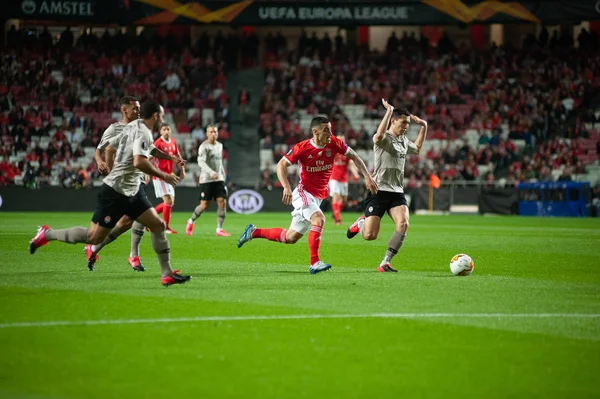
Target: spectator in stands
565	175
267	178
243	102
172	81
198	132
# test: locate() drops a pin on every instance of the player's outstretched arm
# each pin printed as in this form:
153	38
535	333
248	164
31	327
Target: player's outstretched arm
142	163
385	122
422	132
282	174
362	167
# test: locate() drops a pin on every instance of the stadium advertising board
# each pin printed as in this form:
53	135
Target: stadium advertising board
256	12
59	8
245	201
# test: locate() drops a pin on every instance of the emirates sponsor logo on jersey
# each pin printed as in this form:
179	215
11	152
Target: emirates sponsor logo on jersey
319	168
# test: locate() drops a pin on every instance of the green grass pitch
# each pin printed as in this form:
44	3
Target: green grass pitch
253	323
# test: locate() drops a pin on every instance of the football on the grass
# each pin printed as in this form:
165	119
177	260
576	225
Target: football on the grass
461	265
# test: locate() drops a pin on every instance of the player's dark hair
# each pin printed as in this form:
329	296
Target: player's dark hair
148	109
126	100
163	125
317	121
399	112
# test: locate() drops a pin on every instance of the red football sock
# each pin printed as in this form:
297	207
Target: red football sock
159	208
337	208
167	213
276	234
314	243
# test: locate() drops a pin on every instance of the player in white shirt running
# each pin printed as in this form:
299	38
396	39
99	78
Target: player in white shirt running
390	149
121	195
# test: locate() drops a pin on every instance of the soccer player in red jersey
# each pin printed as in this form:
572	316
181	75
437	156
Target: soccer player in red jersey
338	185
315	159
162	189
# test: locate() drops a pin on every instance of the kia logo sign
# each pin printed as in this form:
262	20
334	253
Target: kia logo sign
246	201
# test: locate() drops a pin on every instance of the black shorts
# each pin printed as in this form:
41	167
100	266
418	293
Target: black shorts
113	205
382	202
212	190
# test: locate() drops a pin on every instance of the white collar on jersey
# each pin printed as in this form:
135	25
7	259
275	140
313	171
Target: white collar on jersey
315	145
166	141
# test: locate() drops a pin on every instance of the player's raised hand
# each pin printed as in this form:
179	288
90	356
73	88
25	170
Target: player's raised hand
371	184
387	105
418	120
287	196
171	179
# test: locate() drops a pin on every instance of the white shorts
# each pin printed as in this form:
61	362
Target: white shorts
338	187
304	206
162	188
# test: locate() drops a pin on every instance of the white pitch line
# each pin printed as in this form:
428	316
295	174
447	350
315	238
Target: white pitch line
296	317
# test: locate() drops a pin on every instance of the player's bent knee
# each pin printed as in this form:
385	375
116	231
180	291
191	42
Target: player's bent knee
318	220
292	237
402	226
94	239
158	226
370	236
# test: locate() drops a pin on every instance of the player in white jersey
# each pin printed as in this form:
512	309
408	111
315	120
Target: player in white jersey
121	195
390	148
105	156
212	181
130	111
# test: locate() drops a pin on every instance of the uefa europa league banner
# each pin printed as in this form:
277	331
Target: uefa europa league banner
302	13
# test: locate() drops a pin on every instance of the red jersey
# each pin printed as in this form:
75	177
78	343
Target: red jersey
169	148
340	168
316	164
